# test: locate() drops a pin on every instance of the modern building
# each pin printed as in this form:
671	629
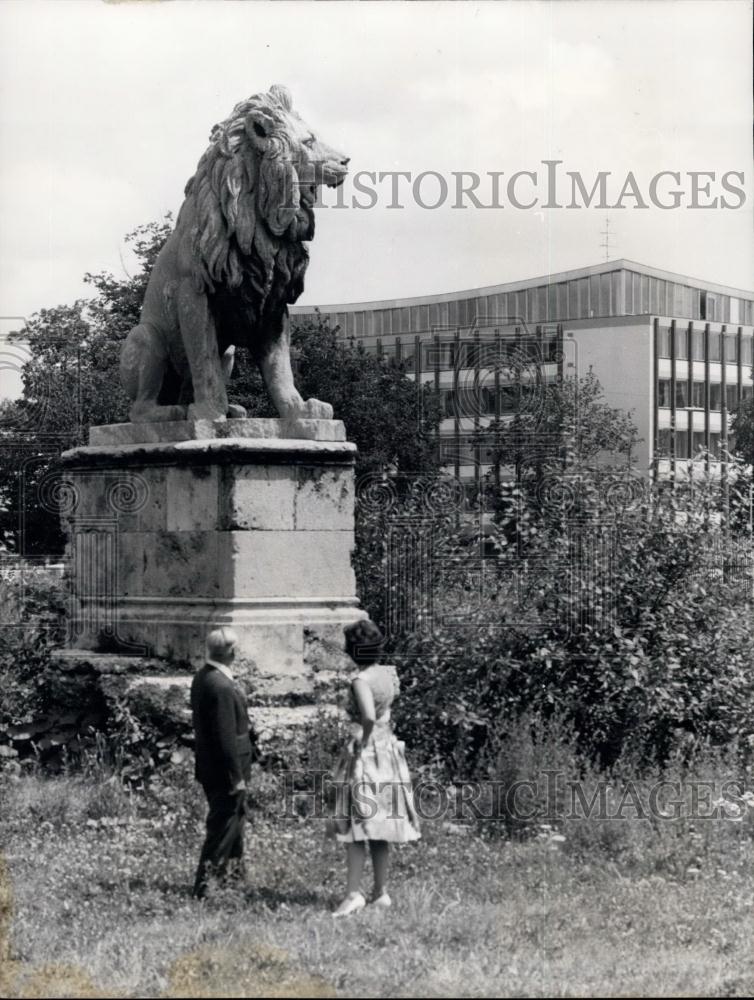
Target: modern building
674	351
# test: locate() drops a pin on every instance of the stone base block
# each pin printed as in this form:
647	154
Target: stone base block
171	535
97	688
274	647
177	528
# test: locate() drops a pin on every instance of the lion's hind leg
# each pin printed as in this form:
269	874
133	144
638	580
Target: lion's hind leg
143	360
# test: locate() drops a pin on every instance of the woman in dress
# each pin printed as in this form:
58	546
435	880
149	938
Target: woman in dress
374	799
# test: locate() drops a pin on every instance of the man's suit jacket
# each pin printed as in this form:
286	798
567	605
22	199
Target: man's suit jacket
221	730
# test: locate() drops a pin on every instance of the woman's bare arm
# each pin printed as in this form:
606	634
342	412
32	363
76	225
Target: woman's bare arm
365	704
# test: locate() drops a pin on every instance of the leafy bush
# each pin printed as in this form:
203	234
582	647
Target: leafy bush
633	622
33	603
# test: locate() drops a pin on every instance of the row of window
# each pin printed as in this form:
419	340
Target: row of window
470	448
447	354
465	451
645	294
689	345
579	298
576	298
690	445
479	401
691	394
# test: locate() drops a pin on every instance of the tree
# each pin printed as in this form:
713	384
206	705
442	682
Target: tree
70	381
743	428
559	423
561	432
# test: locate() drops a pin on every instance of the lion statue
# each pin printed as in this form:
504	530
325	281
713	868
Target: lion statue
234	262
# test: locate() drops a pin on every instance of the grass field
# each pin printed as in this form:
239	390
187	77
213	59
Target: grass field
94	901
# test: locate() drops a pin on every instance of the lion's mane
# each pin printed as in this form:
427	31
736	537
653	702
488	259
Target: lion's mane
247	208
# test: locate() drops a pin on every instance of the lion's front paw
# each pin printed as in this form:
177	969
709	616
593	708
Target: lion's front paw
315	409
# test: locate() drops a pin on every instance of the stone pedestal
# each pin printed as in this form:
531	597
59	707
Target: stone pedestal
177	528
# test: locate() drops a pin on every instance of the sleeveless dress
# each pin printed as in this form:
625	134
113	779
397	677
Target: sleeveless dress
373	794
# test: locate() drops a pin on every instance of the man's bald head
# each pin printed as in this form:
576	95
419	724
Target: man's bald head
221	644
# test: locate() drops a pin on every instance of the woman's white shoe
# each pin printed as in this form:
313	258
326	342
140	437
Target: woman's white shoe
353	902
383	900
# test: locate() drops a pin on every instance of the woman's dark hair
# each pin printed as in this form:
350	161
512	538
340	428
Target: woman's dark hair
364	642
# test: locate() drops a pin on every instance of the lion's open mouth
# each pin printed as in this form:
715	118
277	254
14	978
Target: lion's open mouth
335	179
331	174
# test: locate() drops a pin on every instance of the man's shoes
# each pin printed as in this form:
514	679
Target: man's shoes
236	877
353	902
383	901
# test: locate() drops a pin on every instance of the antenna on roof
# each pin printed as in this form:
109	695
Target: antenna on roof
606	245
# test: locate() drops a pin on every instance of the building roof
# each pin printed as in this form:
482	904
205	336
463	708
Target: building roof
548	279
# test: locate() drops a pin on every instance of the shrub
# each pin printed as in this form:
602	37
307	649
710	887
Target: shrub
633	622
33	603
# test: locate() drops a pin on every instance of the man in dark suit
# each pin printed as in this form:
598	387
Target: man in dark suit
223	757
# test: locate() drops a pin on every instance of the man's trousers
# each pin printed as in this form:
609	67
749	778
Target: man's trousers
224	840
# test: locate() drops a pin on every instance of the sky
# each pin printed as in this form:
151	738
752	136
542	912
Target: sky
105	109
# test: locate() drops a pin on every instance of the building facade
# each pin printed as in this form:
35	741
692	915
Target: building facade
673	351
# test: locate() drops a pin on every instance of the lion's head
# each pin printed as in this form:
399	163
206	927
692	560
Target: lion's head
254	192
